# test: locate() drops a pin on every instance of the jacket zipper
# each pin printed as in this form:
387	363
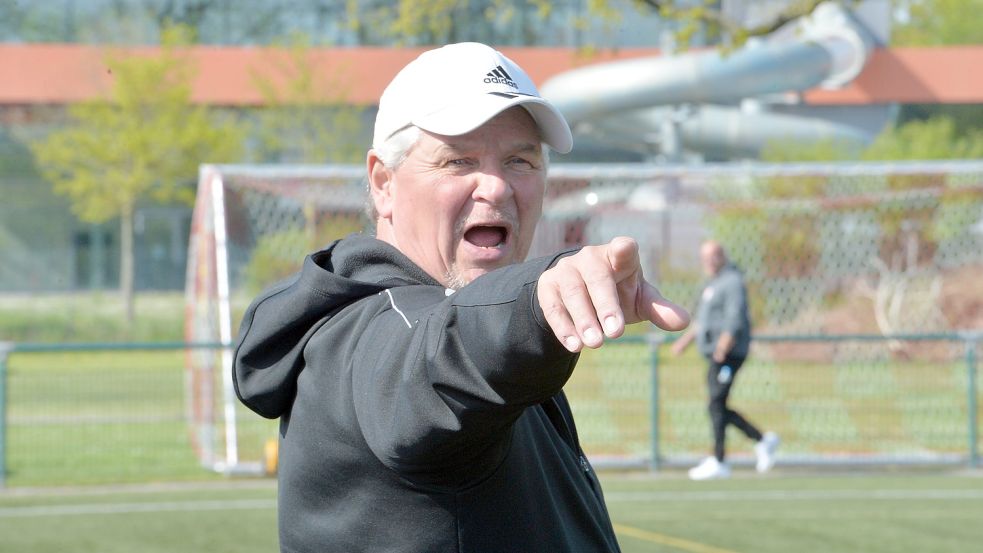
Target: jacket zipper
581	458
584	464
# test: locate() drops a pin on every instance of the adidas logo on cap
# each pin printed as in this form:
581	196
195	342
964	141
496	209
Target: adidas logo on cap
500	76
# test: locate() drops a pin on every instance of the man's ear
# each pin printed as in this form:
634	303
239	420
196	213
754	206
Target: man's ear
380	184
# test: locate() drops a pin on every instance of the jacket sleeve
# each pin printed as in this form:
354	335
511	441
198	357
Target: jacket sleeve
734	304
269	352
437	387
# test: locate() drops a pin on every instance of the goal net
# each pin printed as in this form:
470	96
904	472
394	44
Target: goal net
844	251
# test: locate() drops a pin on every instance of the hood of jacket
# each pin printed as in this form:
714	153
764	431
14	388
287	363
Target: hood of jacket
269	352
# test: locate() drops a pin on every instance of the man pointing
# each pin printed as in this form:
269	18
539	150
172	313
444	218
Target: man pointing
418	374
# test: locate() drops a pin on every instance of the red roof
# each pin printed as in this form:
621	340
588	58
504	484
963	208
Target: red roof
60	74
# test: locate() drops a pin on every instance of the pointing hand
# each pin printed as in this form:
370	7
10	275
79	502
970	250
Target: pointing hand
597	291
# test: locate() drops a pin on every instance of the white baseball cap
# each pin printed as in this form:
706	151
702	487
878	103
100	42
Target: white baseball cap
455	89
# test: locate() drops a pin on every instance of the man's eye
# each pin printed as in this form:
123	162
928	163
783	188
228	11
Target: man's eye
522	162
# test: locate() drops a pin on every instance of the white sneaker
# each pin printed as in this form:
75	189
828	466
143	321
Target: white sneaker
709	469
765	451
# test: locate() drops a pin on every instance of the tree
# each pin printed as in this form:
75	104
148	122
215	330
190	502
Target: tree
380	22
938	23
442	21
144	142
306	116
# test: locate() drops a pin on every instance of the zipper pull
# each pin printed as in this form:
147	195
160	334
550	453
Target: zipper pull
584	464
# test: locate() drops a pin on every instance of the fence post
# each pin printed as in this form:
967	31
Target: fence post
655	341
5	349
972	340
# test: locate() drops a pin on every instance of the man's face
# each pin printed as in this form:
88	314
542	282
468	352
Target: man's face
461	206
712	259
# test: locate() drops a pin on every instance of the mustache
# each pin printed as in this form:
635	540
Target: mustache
498	216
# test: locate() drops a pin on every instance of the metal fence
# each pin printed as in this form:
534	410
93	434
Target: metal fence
844	399
75	414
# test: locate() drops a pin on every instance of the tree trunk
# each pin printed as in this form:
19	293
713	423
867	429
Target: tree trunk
126	263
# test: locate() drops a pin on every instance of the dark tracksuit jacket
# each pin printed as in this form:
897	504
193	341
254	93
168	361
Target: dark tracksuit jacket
417	420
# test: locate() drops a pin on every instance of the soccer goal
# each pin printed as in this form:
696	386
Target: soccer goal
252	225
827	249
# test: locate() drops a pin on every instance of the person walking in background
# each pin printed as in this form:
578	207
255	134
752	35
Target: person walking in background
722	331
418	373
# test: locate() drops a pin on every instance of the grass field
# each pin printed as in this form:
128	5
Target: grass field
912	512
116	417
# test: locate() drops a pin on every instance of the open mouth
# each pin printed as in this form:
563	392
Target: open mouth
487	236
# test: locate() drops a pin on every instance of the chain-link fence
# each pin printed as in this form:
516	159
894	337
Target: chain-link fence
860	248
832	399
111	413
836	248
884	248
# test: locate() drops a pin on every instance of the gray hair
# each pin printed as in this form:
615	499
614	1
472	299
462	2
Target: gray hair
392	153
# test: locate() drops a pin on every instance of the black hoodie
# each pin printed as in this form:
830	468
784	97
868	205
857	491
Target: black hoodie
414	419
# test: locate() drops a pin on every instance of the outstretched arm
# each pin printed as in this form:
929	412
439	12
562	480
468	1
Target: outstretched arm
597	291
683	342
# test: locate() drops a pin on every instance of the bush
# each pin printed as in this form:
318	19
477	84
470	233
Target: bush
91	317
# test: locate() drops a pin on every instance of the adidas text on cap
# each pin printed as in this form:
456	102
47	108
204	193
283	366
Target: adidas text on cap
455	89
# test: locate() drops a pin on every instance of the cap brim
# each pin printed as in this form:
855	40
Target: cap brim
464	117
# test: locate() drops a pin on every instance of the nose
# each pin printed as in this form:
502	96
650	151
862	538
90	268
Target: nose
491	187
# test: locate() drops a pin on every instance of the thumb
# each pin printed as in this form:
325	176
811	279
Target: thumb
662	312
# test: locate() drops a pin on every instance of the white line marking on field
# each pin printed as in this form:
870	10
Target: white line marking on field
793	495
123	508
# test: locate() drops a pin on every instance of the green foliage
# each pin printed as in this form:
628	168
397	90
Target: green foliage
91	317
966	118
276	256
933	138
145	141
431	18
705	16
691	18
306	117
142	143
780	151
417	22
919	139
280	254
939	22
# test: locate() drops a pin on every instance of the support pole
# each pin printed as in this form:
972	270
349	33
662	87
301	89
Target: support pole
225	323
972	342
5	349
654	342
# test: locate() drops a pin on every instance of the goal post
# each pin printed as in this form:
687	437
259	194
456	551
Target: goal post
251	226
827	248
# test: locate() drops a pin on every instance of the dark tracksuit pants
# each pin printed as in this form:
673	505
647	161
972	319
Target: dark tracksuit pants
720	379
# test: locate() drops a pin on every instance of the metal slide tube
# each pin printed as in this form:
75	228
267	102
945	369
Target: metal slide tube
706	77
727	131
828	48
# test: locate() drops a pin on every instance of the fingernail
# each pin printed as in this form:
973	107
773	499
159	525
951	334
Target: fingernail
592	336
572	343
611	324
